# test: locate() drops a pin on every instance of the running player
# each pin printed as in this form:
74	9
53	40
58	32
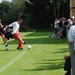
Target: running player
6	35
15	32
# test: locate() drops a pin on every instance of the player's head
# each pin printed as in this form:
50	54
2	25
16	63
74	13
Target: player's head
20	20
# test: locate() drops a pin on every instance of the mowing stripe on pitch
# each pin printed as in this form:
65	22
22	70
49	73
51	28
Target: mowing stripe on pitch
9	64
13	61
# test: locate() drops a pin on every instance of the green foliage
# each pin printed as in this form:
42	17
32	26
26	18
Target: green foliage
14	12
4	19
43	12
40	13
4	9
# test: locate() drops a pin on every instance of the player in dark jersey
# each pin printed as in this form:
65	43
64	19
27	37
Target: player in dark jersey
6	35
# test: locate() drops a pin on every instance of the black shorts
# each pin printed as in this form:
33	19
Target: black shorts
8	34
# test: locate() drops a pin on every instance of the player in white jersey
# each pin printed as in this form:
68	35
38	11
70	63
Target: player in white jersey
15	33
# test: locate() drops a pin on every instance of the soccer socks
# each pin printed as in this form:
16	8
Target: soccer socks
24	42
19	44
6	45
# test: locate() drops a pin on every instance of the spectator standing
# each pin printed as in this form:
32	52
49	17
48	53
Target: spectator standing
71	42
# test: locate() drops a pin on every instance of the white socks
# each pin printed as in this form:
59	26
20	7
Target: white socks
6	45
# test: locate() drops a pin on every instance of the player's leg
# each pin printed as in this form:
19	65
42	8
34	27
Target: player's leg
20	41
20	38
19	45
7	37
2	36
6	44
5	41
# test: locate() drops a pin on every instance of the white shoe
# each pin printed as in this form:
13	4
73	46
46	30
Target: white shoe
7	48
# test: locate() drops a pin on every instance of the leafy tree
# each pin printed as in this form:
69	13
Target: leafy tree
15	11
43	12
40	13
5	6
11	11
38	10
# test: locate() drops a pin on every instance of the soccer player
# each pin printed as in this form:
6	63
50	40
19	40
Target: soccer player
15	32
6	35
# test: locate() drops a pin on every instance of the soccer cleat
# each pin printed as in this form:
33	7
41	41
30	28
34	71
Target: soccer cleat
20	48
25	42
7	48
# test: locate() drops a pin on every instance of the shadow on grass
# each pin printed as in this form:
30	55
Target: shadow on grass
52	64
45	40
33	37
9	50
62	50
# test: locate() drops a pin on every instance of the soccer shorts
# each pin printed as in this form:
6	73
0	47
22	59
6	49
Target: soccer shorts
8	35
16	35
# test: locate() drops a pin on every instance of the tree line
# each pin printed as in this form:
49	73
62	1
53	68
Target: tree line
40	13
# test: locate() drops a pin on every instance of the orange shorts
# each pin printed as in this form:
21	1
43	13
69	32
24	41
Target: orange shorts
16	35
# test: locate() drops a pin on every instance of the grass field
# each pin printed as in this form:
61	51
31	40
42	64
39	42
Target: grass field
44	58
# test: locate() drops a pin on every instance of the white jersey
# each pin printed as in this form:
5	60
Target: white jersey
15	26
71	34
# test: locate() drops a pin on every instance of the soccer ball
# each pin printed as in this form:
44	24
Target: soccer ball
28	47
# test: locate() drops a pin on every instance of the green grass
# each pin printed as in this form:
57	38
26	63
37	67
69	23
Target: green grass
44	58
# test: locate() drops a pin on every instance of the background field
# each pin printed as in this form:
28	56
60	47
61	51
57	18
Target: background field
44	58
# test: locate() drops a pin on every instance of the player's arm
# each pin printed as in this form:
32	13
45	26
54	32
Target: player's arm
10	25
6	27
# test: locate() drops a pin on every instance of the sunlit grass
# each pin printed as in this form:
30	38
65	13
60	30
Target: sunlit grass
44	58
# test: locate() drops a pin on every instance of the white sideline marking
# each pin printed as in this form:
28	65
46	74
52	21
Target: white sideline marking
9	64
13	61
38	41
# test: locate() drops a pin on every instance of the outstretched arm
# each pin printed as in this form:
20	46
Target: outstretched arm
6	27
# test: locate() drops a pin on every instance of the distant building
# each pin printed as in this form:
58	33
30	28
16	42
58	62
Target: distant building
72	8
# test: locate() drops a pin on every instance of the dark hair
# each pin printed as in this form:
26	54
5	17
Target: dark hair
19	18
22	16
